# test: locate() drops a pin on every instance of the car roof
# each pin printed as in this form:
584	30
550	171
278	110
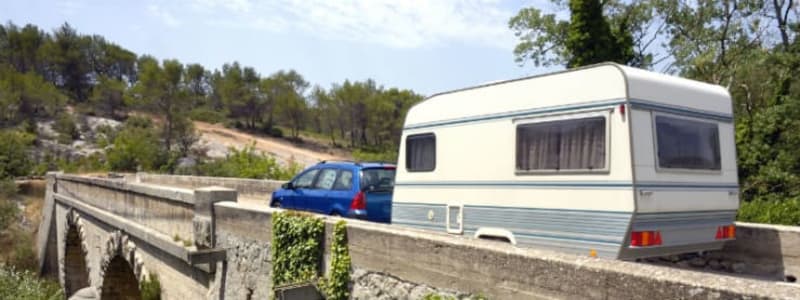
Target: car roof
355	165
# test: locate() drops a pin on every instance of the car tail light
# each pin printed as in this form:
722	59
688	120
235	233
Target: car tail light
645	238
726	232
358	202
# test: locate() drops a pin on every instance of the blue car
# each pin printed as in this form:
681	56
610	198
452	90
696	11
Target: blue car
349	189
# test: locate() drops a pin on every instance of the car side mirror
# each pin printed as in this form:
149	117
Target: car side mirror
288	186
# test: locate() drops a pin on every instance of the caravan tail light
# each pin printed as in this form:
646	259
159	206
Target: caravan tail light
358	202
726	232
645	238
622	110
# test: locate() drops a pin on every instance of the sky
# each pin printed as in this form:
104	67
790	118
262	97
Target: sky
427	46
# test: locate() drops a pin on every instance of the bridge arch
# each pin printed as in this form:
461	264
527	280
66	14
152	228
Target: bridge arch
121	269
75	269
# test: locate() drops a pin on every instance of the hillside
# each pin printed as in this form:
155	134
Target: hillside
218	139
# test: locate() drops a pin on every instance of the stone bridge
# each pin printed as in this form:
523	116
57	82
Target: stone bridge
209	238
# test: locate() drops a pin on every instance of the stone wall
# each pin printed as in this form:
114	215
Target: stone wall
169	210
392	262
759	250
246	187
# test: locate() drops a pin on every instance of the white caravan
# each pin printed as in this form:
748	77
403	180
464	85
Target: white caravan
605	160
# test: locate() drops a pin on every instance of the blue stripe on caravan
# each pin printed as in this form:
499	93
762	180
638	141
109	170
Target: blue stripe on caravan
517	113
681	110
568	184
547	184
687	185
548	209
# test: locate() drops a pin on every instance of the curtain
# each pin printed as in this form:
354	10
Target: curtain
578	144
421	153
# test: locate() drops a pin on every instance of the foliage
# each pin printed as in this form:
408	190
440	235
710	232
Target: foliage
14	158
8	209
108	96
590	39
248	163
434	296
336	285
208	115
136	147
16	284
296	247
150	287
365	155
67	128
8	189
597	31
26	96
785	211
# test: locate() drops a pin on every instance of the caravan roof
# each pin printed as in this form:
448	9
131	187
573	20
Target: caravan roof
596	85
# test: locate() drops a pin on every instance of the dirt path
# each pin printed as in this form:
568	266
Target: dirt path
218	139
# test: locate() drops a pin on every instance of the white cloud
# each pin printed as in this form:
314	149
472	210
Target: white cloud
398	24
164	15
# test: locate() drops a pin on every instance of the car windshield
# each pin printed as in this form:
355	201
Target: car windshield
378	180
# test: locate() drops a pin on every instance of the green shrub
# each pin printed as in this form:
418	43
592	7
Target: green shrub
208	115
8	189
14	158
136	147
248	163
336	285
8	212
367	155
276	132
151	287
772	211
296	247
67	128
16	284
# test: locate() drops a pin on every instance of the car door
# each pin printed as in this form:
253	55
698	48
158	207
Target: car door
342	193
300	187
316	198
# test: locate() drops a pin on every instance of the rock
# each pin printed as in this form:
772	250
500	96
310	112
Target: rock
714	264
697	262
94	122
739	267
87	293
186	163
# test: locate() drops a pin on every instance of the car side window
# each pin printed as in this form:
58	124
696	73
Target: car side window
305	180
344	181
326	179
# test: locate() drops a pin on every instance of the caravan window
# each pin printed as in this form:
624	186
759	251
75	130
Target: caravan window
687	144
576	144
421	152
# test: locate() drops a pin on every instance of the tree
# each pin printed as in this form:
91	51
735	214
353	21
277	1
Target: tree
160	90
286	92
69	62
14	157
597	31
24	97
108	96
590	39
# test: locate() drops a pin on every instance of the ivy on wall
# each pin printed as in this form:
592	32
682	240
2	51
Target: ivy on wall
296	247
150	287
336	286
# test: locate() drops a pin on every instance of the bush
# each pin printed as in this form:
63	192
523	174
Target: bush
367	155
15	284
151	287
14	158
276	132
772	211
296	247
208	115
336	285
67	128
136	147
247	163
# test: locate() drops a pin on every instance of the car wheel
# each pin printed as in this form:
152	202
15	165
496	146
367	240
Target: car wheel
336	214
276	204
